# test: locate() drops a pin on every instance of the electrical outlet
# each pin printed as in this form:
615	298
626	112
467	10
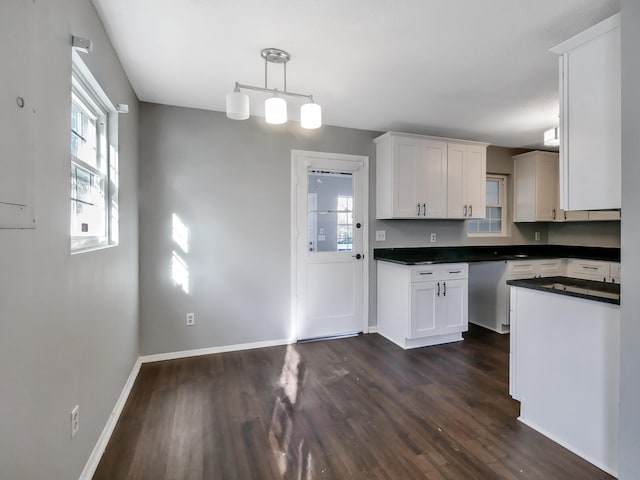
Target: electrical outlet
381	235
537	235
432	239
191	318
75	420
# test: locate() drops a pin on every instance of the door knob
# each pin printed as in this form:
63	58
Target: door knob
357	256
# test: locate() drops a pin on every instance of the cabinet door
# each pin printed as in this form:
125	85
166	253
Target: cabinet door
408	168
591	124
547	186
456	159
424	296
433	178
453	302
475	181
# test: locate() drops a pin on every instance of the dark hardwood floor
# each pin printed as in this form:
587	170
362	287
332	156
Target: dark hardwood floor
357	408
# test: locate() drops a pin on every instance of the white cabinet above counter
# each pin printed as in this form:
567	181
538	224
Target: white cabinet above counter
537	192
590	120
420	177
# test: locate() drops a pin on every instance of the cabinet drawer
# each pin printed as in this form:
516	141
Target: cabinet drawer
451	271
550	268
424	274
442	271
521	268
588	269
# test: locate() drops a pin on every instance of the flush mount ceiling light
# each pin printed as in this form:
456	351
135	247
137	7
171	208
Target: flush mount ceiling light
275	107
552	137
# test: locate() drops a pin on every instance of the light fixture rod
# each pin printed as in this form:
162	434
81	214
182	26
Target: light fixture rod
274	91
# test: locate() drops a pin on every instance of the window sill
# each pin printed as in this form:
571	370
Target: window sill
77	251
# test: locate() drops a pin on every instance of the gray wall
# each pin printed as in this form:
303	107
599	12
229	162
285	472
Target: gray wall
230	184
630	304
68	324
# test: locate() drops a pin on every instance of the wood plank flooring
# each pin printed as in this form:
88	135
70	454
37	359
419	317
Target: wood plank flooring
356	408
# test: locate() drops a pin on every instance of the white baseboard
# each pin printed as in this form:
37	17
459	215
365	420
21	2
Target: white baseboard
103	440
610	469
373	329
159	357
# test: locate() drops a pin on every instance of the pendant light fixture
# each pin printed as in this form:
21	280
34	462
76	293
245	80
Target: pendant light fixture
275	107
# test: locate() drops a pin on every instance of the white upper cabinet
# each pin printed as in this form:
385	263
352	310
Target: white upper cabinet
590	118
429	177
466	180
536	187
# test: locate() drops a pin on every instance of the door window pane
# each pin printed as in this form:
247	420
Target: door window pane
330	211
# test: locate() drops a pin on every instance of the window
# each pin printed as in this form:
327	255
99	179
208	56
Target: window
345	223
494	224
94	162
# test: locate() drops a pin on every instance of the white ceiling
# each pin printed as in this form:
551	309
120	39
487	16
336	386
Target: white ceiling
472	69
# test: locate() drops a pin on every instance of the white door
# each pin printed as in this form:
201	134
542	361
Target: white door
329	244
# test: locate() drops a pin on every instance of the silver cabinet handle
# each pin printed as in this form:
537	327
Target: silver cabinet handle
438	288
553	214
417	209
425	273
471	210
464	211
456	271
424	209
588	267
444	284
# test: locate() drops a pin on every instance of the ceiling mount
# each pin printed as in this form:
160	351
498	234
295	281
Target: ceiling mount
275	55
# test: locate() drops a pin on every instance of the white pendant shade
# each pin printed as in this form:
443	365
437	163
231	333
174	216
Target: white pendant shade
275	110
237	105
310	115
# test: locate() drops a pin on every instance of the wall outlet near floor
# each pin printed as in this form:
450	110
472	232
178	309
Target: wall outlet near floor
432	238
381	235
537	235
75	420
191	318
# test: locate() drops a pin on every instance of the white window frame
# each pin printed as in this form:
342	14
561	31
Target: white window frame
87	90
502	196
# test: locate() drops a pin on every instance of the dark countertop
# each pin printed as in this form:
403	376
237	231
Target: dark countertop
485	253
573	287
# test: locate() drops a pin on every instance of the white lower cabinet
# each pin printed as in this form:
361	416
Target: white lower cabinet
422	305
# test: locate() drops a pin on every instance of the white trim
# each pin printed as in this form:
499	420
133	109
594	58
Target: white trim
373	329
94	459
610	469
159	357
587	35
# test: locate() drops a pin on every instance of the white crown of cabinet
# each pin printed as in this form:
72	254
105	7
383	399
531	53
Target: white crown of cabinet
420	177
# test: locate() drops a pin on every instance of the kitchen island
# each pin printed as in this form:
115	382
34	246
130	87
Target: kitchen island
564	363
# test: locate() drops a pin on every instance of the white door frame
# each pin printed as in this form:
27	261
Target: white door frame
296	157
